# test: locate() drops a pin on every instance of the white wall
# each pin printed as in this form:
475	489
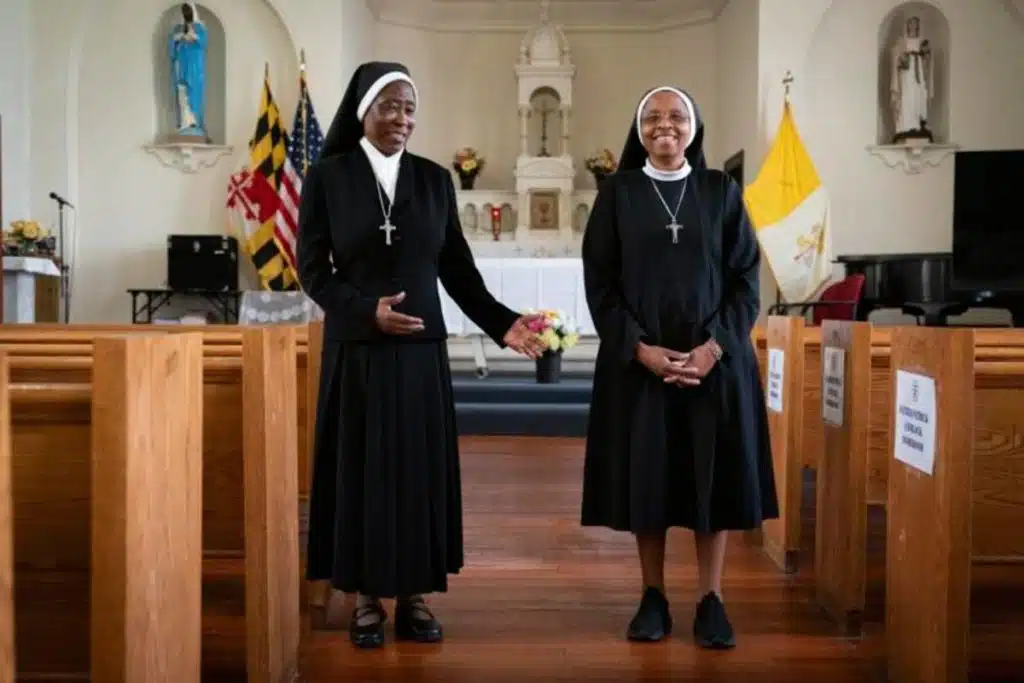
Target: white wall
15	109
468	89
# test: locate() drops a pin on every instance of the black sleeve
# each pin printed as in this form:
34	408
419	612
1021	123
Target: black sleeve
462	280
737	312
616	325
325	285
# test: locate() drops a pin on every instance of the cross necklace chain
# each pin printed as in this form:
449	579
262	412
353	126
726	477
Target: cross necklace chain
388	226
674	225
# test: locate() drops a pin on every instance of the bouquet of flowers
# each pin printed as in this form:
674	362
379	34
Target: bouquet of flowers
28	238
468	164
602	164
557	330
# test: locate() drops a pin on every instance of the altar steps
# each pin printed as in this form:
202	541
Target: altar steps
513	404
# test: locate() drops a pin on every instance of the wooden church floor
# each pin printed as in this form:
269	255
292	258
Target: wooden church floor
544	599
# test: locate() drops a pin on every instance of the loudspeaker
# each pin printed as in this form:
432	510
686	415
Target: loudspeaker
202	262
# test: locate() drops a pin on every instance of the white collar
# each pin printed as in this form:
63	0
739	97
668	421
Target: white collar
384	167
667	176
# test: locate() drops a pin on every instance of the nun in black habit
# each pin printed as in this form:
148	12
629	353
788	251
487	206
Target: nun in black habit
377	227
678	432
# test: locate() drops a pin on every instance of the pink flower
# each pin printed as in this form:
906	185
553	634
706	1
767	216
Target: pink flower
538	325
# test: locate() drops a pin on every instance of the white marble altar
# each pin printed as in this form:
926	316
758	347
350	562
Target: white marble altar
20	273
524	283
544	215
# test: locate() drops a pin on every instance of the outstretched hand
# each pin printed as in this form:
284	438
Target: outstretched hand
393	322
521	339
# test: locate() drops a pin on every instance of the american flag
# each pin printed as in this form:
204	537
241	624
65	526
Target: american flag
307	140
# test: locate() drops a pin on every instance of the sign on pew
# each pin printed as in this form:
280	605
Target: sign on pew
914	444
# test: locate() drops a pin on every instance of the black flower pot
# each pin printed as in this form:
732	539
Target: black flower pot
549	368
598	177
467	181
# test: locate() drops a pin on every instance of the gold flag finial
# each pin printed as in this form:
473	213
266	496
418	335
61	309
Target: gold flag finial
302	60
787	82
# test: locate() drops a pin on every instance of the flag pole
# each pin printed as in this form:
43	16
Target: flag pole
787	82
304	110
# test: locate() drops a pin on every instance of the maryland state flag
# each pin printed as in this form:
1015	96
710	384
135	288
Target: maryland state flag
790	210
265	197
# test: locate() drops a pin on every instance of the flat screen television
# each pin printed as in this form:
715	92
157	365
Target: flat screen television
988	222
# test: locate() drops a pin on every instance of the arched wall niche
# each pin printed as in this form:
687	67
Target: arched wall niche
934	27
216	74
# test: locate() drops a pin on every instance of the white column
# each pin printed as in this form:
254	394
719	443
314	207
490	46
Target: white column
524	123
566	115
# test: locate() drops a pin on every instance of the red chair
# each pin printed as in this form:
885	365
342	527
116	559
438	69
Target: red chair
839	301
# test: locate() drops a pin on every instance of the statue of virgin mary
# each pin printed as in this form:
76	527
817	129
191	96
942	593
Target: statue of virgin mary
187	50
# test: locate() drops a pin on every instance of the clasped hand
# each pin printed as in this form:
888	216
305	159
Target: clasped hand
677	367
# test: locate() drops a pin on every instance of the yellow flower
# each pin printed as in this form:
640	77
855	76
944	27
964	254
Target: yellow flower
468	165
30	230
570	341
550	337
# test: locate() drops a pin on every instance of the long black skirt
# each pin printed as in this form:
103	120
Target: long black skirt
660	456
385	505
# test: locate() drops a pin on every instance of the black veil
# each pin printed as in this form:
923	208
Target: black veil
347	127
633	153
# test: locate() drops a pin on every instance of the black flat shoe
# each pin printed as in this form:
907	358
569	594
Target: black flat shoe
414	621
711	627
652	621
367	635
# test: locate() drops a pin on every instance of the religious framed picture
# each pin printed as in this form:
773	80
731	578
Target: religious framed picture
544	210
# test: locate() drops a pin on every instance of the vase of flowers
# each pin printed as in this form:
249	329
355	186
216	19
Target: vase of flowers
28	238
559	332
468	164
601	165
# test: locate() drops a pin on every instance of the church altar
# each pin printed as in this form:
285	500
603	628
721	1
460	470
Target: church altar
20	274
522	283
544	214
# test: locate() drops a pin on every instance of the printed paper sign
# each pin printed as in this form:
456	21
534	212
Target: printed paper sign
776	367
915	421
833	385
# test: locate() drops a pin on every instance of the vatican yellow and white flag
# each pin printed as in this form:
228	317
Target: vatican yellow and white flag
789	208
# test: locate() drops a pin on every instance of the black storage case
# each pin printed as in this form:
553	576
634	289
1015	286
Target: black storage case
202	262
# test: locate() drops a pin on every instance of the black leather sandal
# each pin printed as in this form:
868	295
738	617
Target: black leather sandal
415	621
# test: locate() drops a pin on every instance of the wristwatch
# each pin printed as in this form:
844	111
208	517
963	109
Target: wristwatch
716	350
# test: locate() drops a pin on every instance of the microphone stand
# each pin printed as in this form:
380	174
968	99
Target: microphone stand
65	279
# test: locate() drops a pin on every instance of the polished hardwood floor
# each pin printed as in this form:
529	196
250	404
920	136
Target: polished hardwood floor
544	599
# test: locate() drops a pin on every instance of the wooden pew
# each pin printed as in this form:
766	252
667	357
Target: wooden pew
950	518
128	465
63	354
52	475
7	664
852	476
793	398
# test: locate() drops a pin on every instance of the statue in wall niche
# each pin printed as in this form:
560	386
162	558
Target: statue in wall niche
913	84
187	50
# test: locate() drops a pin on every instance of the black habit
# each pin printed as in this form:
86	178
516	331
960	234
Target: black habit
661	456
385	508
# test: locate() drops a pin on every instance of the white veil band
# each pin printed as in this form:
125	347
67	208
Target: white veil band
687	102
378	85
